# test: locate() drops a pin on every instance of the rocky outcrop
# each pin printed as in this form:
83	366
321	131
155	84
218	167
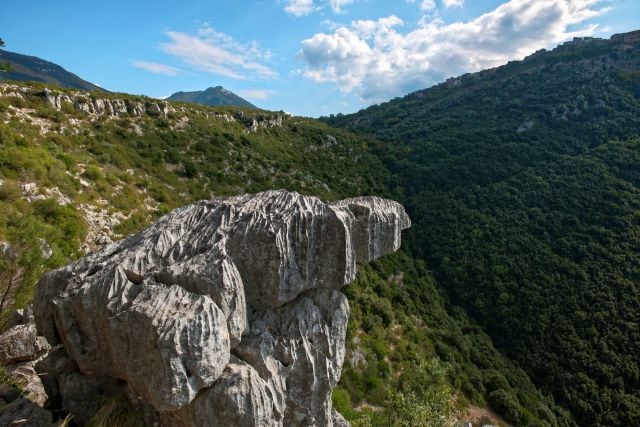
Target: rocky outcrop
20	344
106	106
20	349
97	104
264	121
91	103
224	312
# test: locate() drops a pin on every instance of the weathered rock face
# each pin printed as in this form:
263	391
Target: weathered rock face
20	349
20	344
106	107
224	312
23	412
111	107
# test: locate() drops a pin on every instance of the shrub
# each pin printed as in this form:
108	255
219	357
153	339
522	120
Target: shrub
117	411
504	403
93	173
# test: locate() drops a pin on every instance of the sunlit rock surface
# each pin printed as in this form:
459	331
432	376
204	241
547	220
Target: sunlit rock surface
224	312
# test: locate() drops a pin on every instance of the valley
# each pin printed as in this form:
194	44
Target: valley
515	294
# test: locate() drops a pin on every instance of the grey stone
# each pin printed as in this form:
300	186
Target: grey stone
23	412
25	375
300	349
8	393
338	420
224	312
21	343
241	397
21	316
76	394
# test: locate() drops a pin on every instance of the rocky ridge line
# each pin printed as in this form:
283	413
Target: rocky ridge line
92	104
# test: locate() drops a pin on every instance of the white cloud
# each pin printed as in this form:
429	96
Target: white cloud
452	3
217	53
427	5
257	94
375	60
156	68
337	5
299	7
307	7
331	25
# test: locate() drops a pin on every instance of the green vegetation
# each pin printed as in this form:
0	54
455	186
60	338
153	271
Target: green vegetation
141	167
523	183
424	399
4	67
406	351
26	68
6	379
212	96
117	411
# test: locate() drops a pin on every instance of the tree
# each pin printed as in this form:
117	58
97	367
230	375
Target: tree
10	271
22	261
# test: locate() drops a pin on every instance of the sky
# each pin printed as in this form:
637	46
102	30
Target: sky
305	57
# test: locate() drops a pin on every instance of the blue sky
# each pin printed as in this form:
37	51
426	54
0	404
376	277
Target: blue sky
307	57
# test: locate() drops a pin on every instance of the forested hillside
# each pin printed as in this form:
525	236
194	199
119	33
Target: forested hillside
27	68
523	183
78	170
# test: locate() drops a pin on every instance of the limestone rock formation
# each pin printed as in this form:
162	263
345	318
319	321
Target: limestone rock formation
224	312
20	344
110	107
20	349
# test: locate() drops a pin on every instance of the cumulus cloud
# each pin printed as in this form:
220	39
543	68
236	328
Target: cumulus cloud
299	7
425	5
338	5
217	53
257	94
376	60
156	68
307	7
452	3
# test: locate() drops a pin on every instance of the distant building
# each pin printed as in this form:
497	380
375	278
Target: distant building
628	38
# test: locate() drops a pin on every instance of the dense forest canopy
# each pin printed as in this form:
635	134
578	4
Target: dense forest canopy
524	186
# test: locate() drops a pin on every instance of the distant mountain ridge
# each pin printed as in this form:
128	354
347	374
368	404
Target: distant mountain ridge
217	96
27	68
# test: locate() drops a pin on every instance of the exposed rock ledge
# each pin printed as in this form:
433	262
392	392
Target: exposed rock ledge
224	312
92	104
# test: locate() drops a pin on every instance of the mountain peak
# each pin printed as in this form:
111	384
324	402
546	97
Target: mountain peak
27	68
212	96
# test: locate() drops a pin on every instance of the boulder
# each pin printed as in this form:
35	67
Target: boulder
25	375
8	393
21	343
23	412
224	312
21	316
